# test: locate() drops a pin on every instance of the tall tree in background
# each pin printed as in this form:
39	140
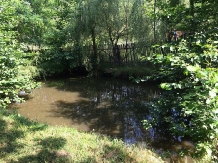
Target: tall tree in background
90	29
115	17
33	21
64	28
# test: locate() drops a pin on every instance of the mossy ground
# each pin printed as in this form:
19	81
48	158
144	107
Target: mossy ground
22	140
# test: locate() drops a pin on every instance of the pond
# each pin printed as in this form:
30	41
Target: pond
107	106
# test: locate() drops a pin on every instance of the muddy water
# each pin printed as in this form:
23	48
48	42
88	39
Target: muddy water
107	106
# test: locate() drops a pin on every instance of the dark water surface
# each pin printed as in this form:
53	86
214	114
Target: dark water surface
107	106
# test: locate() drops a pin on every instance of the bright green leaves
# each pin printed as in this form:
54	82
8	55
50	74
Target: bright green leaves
190	106
159	58
170	86
165	86
10	57
212	93
193	68
188	112
146	124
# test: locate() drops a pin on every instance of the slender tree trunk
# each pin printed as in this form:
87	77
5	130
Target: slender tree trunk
155	3
95	54
191	2
94	46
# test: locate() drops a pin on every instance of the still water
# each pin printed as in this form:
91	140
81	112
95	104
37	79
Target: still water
107	106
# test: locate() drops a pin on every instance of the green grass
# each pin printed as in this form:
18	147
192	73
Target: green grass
23	141
130	71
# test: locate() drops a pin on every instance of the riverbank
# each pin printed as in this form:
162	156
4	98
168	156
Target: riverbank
129	72
22	140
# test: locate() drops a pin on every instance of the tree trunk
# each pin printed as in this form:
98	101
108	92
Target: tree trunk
95	55
191	2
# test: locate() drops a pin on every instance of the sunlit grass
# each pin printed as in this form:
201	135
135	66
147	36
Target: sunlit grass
22	140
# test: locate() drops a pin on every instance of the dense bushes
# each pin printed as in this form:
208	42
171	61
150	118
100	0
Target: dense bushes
12	77
190	106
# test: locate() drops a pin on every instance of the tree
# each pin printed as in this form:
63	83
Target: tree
32	23
88	17
115	16
13	78
189	74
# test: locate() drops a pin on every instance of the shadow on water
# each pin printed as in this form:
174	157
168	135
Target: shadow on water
106	106
47	149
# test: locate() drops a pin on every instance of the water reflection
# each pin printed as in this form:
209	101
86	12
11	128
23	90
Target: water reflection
107	106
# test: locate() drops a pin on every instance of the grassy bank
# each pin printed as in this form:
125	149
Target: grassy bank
130	71
22	140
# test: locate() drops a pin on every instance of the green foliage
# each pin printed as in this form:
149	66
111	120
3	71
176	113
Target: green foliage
64	29
190	106
192	15
30	25
12	79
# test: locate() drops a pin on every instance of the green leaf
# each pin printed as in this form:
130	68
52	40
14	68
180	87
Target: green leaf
212	93
208	101
165	86
186	72
187	97
192	68
188	112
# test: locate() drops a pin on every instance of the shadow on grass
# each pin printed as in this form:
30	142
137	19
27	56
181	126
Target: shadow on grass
8	136
48	152
10	131
14	128
116	155
110	154
48	149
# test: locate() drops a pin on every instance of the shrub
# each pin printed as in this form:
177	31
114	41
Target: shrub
190	106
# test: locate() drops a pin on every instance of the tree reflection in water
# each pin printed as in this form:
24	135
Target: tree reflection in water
107	106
